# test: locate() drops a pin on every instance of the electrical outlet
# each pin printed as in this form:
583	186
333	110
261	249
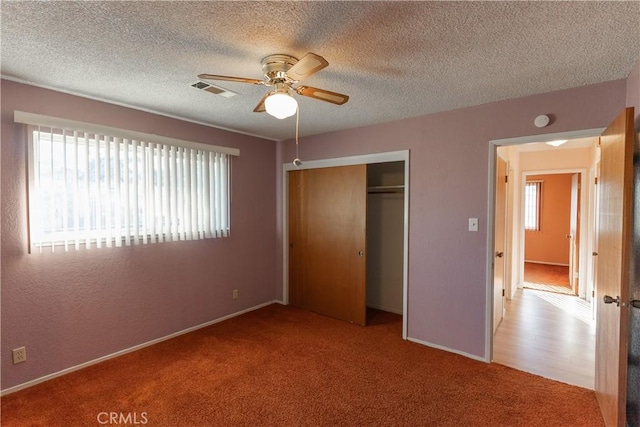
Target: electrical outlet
473	224
19	355
235	294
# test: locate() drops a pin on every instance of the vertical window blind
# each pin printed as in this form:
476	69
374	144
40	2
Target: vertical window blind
532	197
90	188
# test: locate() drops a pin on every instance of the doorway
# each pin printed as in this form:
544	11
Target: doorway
551	206
614	179
527	309
398	191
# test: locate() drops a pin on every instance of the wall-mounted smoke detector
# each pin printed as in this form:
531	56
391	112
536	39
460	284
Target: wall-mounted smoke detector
541	121
216	90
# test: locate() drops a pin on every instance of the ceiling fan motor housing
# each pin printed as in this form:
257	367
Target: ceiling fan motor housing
275	67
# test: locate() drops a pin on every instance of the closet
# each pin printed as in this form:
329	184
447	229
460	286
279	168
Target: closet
385	236
346	234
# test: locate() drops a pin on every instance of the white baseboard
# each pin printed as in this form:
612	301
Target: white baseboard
546	263
450	350
129	350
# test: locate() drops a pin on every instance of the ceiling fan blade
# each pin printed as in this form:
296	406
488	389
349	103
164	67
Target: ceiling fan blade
323	95
230	79
260	108
306	66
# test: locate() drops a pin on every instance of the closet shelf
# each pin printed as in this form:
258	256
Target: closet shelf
386	189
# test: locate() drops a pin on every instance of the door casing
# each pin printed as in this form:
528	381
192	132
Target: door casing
393	156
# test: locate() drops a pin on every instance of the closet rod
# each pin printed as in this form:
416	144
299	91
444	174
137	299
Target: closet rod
386	189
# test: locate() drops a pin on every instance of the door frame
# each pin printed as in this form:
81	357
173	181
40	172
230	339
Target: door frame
392	156
493	152
583	209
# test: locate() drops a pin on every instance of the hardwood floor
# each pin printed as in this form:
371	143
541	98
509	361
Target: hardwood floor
546	273
545	277
548	334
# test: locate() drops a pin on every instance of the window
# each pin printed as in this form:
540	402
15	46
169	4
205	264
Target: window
89	188
532	193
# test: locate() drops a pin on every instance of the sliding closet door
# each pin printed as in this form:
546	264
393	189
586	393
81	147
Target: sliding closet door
296	281
329	240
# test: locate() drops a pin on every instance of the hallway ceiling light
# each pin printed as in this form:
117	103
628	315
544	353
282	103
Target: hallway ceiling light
557	142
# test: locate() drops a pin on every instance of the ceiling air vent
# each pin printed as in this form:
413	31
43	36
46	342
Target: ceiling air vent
213	89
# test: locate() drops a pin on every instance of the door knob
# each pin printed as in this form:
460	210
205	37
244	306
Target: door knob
635	303
499	254
594	253
360	253
608	300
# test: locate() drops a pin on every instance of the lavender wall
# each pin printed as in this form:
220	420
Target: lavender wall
633	90
449	183
70	308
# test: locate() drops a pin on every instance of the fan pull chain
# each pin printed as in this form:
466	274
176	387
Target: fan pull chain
297	162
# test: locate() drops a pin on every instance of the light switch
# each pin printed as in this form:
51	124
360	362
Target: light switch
473	224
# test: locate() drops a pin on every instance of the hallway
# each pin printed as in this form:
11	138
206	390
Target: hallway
548	334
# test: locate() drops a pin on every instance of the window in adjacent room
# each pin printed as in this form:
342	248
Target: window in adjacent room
532	197
95	189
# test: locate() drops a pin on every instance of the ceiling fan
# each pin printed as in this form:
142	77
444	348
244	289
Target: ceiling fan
283	72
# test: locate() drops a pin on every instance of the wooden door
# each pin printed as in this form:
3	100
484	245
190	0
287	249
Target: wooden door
614	230
329	241
499	243
574	233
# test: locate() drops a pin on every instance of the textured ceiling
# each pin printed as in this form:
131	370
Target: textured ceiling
394	59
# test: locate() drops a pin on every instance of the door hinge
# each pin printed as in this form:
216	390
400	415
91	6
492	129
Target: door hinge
596	179
503	292
506	179
593	293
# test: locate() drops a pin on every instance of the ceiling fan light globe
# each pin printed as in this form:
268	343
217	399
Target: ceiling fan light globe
281	105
